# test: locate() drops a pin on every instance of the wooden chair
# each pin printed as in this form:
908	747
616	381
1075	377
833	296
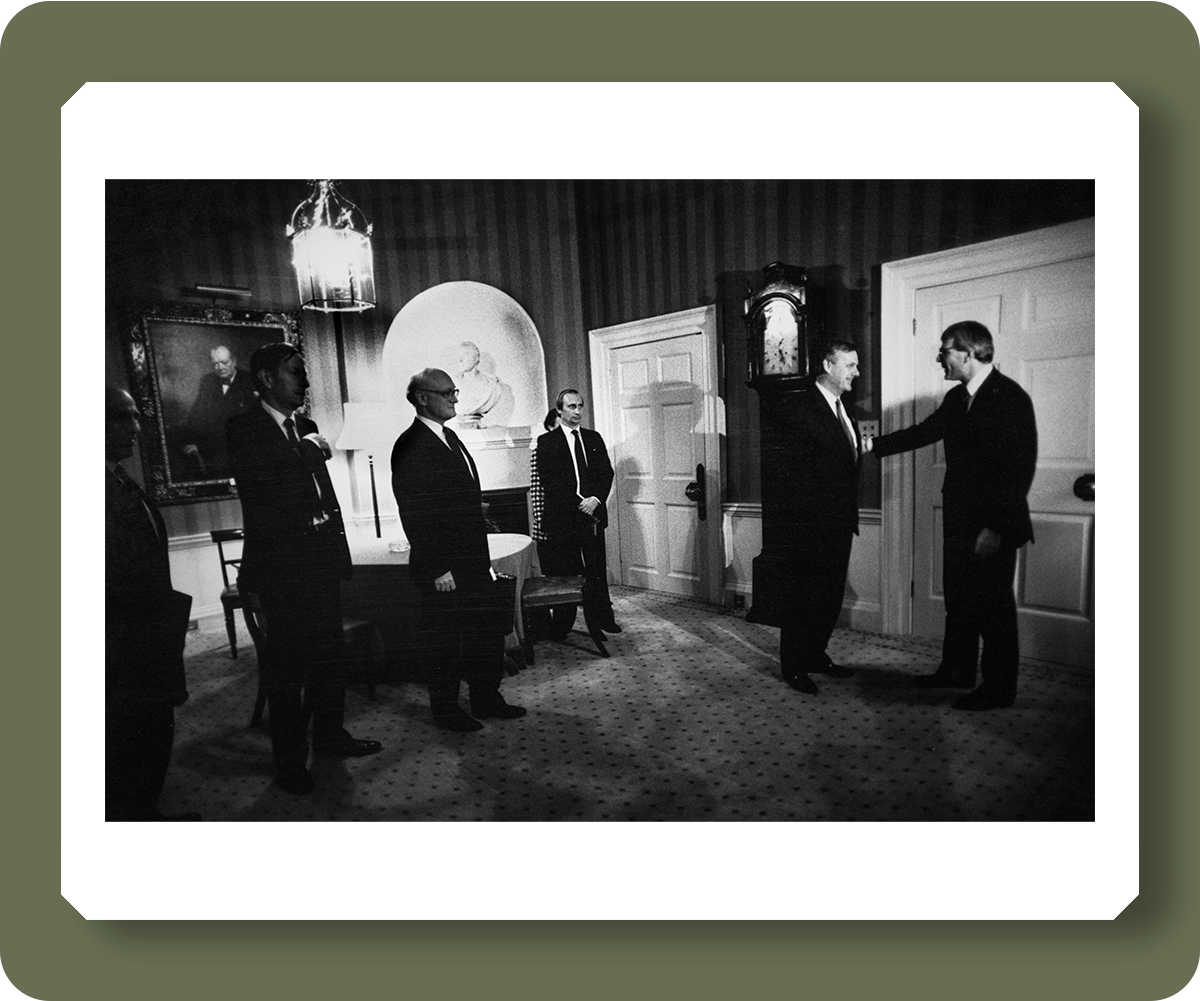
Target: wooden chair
231	597
361	636
546	592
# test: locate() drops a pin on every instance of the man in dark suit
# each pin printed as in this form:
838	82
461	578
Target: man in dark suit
990	436
224	392
437	491
575	476
146	622
294	559
822	487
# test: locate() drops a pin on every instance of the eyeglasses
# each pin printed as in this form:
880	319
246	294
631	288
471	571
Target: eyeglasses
945	351
445	394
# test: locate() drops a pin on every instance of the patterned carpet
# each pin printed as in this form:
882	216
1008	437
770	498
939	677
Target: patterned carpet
688	720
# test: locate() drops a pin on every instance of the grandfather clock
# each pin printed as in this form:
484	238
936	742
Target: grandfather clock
783	329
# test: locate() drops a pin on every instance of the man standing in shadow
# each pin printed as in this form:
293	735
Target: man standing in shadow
294	559
441	508
146	623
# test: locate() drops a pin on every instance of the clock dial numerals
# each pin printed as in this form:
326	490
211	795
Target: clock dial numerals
781	340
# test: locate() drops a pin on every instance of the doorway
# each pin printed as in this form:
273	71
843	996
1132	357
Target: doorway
1036	293
654	383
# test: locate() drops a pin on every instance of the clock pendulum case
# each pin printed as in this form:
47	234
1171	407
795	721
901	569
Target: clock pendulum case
782	328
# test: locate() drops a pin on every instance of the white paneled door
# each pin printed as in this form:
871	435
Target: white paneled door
658	416
1043	322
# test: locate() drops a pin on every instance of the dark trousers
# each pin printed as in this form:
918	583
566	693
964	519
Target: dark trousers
581	553
980	605
820	585
137	750
303	668
450	651
452	658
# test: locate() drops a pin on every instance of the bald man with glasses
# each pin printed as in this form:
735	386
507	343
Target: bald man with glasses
441	508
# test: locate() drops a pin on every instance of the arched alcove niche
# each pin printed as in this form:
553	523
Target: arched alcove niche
491	349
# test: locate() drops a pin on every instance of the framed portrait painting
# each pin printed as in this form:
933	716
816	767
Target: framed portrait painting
188	369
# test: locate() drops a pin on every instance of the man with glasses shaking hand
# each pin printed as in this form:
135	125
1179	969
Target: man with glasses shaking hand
990	437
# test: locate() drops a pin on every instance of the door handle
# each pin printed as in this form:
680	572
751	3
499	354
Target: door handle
1085	487
696	492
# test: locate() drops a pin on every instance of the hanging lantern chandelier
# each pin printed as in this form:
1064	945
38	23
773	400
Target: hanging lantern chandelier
331	251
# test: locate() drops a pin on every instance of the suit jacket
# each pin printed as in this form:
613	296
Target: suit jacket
146	620
556	475
812	489
277	485
441	508
991	458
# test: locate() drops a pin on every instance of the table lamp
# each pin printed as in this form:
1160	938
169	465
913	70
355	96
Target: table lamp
370	428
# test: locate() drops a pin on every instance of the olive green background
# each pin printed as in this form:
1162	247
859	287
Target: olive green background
1150	50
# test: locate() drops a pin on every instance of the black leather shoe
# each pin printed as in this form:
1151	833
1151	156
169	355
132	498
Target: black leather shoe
456	721
498	710
191	817
611	626
942	679
346	747
803	683
983	699
298	783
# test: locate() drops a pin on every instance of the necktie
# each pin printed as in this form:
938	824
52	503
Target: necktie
581	465
456	446
845	422
321	510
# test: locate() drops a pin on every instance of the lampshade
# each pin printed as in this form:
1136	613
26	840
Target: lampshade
331	251
368	427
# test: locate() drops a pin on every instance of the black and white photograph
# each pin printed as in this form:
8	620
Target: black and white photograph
725	510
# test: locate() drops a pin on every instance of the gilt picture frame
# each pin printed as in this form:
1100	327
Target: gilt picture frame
188	369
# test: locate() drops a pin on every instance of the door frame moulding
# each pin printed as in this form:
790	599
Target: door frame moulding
900	282
601	343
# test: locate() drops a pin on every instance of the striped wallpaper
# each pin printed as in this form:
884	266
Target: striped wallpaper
519	236
654	247
576	254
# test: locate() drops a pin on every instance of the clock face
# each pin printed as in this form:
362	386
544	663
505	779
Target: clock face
781	339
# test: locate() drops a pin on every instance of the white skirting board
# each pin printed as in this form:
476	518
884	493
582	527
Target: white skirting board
861	606
196	571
